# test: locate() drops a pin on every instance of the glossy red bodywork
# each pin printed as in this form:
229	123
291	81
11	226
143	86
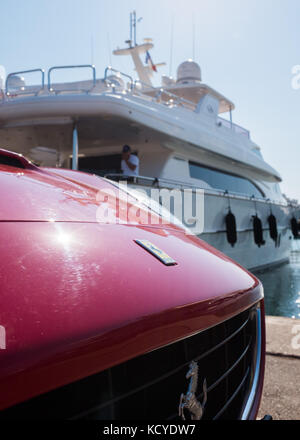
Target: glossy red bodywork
79	296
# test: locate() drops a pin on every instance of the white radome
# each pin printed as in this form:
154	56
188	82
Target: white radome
188	71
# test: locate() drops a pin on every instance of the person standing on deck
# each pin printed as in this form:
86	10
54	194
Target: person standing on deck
130	162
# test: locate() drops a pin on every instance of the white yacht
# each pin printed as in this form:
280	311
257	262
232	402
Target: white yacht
179	133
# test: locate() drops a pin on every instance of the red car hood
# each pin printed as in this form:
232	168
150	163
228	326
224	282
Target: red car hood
38	194
78	296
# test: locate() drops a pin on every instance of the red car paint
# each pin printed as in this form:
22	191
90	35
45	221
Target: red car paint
79	296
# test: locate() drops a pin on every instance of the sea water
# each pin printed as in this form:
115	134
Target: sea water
282	286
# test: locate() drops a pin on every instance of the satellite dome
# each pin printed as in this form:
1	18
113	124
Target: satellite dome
188	71
16	82
115	81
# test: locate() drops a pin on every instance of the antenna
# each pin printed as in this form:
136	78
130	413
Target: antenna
194	36
134	26
171	45
109	48
137	50
92	49
133	23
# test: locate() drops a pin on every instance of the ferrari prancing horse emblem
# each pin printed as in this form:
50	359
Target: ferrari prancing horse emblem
189	400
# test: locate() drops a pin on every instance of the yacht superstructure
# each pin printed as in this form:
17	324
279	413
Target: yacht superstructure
178	133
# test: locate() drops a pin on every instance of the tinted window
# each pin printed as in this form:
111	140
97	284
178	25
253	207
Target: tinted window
225	181
101	165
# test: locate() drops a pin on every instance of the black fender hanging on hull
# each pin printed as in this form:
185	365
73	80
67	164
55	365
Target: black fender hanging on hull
231	228
273	227
258	231
295	227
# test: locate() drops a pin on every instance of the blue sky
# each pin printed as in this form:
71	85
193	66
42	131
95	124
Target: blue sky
246	50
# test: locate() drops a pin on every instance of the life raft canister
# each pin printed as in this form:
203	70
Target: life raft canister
273	227
295	227
231	228
258	231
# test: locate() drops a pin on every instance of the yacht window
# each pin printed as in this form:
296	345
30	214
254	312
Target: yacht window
100	165
223	180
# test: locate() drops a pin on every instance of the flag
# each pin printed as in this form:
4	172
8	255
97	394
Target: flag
149	61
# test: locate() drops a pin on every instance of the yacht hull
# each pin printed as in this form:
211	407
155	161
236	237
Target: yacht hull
245	251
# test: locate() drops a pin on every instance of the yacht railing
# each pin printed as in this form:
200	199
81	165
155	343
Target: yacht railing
173	100
157	182
24	90
51	87
236	128
137	88
110	83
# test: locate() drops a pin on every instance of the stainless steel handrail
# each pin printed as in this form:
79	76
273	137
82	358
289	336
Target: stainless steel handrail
162	91
235	127
185	185
23	92
110	69
79	66
178	100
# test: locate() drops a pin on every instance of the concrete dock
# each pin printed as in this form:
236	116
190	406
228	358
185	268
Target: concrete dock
281	394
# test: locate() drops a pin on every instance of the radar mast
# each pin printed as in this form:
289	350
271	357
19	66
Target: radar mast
136	50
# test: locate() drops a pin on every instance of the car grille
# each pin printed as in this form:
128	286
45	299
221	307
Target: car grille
150	386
